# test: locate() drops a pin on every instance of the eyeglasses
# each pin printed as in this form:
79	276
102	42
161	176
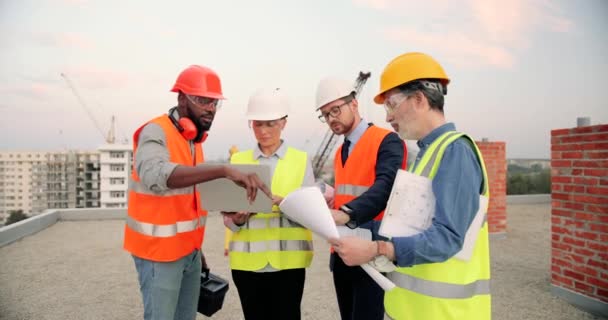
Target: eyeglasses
204	101
395	101
334	112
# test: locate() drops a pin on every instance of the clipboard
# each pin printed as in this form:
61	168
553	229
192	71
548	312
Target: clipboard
224	195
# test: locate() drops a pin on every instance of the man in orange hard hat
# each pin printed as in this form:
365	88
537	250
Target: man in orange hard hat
433	279
165	225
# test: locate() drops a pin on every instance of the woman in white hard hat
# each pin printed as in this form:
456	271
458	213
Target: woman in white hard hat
269	254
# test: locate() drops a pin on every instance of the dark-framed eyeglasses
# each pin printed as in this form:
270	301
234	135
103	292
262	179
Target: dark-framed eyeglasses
334	112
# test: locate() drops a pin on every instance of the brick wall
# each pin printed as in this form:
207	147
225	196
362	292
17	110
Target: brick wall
494	155
579	213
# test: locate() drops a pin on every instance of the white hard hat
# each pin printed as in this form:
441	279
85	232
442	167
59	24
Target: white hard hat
331	89
267	104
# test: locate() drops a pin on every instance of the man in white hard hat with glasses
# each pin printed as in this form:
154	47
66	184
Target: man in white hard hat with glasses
269	254
365	167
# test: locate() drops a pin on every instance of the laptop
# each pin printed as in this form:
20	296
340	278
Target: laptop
224	195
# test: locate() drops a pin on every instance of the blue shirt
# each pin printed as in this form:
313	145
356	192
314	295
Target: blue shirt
457	186
388	160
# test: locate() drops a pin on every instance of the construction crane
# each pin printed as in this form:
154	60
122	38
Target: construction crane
329	140
110	136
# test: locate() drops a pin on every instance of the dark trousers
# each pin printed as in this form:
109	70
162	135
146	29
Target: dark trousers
270	295
359	296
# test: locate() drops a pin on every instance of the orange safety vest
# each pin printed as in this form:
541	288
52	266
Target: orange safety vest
169	225
359	173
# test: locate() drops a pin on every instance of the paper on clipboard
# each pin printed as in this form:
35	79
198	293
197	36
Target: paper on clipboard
411	208
224	195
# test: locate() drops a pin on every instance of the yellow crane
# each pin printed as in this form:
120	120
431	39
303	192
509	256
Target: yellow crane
110	137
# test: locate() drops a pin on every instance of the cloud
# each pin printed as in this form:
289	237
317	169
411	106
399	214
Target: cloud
459	48
491	31
34	90
93	77
63	40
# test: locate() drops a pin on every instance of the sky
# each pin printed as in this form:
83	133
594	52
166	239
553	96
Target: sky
518	68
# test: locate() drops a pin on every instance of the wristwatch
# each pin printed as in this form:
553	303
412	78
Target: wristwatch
351	223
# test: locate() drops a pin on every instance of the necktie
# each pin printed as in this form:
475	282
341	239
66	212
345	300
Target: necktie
345	147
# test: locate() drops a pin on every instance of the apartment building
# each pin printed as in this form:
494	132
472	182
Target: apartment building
38	180
115	169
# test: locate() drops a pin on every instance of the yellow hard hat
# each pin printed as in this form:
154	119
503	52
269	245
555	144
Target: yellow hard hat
409	67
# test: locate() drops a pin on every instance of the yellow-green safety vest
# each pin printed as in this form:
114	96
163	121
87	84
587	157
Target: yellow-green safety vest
453	289
271	238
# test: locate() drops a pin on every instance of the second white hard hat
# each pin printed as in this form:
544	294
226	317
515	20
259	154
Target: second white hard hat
267	104
331	89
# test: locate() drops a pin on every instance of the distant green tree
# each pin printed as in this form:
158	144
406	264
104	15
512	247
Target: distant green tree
15	216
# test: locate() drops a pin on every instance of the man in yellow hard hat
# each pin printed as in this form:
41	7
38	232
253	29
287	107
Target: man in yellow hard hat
432	282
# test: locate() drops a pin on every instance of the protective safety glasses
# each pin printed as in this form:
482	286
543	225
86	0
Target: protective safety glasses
204	101
392	103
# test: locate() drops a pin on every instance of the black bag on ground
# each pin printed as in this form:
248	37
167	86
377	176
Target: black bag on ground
213	291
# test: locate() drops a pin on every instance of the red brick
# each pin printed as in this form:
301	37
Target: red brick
573	206
604	275
596	155
586	181
589	163
572	155
604	238
596	137
561	263
578	221
556	155
576	258
574	188
586	235
560	230
561	163
599	227
600	247
561	281
574	241
597	282
574	275
566	147
598	208
585	270
596	172
603	182
583	217
601	127
584	252
556	269
561	213
560	132
599	264
584	287
561	180
602	294
562	246
589	199
598	190
587	129
561	196
571	139
576	172
555	237
594	146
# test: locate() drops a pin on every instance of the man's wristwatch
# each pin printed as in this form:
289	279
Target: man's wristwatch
351	223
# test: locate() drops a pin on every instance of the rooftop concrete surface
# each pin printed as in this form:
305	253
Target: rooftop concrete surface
78	270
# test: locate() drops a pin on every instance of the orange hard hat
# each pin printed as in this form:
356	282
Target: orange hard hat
199	81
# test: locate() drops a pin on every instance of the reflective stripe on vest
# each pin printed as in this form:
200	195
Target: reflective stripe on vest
272	222
440	289
351	189
272	245
167	230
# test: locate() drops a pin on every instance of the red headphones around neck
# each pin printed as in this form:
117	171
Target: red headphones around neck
186	127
